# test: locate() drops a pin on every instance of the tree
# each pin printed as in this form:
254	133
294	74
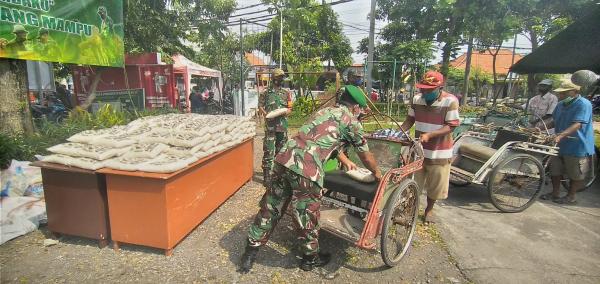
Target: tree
165	25
312	33
500	24
429	20
15	116
540	20
222	53
411	55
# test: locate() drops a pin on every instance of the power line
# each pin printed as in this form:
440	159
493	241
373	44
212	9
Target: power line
271	16
358	25
248	7
249	13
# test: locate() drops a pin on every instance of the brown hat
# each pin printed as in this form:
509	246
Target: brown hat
566	85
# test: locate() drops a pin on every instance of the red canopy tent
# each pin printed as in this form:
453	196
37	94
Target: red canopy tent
184	69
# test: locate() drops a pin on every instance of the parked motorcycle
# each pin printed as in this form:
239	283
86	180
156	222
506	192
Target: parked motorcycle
55	110
596	104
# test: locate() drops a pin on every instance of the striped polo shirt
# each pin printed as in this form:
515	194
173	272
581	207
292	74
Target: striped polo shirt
444	111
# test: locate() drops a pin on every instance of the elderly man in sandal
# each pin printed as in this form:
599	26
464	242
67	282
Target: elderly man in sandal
575	139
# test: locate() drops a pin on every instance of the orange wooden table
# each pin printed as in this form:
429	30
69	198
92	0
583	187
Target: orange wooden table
159	210
76	202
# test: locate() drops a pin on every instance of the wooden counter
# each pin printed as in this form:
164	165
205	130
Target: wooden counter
76	202
159	210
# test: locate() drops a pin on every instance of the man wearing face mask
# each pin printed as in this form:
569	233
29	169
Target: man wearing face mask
542	106
275	128
298	177
575	140
434	114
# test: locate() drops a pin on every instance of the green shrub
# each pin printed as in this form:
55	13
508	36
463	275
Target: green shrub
303	107
9	148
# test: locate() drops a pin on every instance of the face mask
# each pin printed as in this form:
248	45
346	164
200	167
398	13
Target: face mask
358	82
567	101
430	97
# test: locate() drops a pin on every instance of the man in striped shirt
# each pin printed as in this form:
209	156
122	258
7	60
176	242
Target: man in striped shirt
434	114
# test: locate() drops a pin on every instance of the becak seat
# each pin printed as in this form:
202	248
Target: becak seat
480	152
339	181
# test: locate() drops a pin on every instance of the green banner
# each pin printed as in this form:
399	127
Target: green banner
86	32
130	100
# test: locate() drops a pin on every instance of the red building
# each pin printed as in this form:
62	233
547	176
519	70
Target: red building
145	82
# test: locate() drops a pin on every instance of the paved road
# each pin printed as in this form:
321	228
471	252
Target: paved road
547	243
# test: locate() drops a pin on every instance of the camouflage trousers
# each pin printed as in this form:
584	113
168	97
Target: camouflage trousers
272	143
305	196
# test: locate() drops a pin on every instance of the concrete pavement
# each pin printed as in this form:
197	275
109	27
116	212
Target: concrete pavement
547	243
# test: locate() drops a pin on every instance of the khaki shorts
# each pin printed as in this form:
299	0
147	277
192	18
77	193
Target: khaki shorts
435	179
575	168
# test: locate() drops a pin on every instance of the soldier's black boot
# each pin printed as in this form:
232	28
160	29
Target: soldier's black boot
315	260
248	259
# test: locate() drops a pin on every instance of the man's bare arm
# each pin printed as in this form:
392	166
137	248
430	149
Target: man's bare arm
369	161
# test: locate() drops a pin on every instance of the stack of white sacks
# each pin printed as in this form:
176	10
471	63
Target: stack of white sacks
160	144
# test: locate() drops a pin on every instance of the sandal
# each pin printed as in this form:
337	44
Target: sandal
428	220
565	200
549	196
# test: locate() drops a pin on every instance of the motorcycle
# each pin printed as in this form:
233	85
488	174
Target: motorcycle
595	104
55	111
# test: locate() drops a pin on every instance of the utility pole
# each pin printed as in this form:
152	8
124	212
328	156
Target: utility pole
512	62
242	81
371	48
465	91
280	37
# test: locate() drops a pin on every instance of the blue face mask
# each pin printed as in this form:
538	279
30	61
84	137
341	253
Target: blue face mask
567	101
430	97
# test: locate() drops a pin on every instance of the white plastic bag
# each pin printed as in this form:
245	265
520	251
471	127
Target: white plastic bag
167	163
21	179
154	137
185	139
362	175
276	113
149	150
126	163
19	216
86	163
58	159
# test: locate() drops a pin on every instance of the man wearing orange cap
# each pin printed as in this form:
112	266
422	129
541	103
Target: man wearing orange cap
434	114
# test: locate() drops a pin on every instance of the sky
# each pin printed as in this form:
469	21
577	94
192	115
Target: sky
355	13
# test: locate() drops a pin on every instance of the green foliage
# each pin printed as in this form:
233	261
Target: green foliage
312	34
160	25
8	149
303	107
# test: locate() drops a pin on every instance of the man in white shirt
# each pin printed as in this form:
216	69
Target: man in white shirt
542	106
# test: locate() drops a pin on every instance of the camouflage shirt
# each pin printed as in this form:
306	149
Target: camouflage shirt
271	100
326	131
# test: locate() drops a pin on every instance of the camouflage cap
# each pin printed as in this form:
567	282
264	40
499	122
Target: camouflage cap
43	32
278	72
19	29
357	94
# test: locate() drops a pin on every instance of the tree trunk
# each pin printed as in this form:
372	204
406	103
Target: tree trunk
465	96
494	73
446	50
531	82
15	115
478	100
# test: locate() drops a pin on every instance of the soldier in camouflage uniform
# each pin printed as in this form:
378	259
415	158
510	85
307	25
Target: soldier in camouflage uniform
275	128
298	177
